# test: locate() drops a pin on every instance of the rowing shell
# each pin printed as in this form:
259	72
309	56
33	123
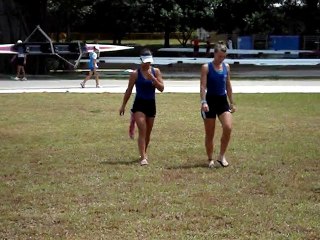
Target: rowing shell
41	48
239	51
107	48
7	49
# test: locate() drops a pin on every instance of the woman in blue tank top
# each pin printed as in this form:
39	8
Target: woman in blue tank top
146	79
93	66
215	91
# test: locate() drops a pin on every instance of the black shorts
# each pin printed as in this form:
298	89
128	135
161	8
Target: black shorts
217	106
148	107
20	61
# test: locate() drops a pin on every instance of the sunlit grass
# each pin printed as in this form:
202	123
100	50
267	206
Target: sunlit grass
70	171
147	42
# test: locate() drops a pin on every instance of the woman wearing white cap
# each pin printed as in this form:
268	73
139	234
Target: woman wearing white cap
146	79
21	60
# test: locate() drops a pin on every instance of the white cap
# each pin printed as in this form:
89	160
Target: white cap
146	58
19	41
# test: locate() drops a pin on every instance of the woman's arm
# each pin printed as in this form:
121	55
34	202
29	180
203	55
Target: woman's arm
127	94
157	80
203	87
229	90
203	81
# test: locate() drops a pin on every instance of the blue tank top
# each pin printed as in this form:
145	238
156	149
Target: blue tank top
144	87
21	53
216	80
92	56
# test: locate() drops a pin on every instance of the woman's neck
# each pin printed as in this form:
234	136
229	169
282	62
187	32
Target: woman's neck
145	68
216	63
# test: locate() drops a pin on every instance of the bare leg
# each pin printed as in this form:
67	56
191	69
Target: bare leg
23	73
83	83
149	122
97	78
142	128
226	121
209	125
132	126
18	71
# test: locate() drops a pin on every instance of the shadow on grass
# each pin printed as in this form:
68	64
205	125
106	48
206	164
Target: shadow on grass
196	165
137	161
120	162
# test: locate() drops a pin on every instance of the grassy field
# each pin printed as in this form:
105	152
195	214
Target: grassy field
70	171
150	42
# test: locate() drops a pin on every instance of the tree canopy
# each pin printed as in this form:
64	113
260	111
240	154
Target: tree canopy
127	16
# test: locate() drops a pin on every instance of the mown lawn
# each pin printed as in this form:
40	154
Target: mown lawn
70	171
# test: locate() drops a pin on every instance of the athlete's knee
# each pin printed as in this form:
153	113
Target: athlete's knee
227	129
142	128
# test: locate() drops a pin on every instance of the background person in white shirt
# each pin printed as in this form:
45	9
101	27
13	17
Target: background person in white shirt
92	67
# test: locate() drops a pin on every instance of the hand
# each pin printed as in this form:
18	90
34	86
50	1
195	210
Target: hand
232	108
121	111
204	107
150	75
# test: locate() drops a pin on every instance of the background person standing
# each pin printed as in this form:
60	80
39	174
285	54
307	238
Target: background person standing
195	42
21	60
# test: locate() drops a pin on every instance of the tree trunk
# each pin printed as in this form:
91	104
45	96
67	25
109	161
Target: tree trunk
167	37
312	16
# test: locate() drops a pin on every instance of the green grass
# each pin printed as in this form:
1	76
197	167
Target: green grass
147	42
69	170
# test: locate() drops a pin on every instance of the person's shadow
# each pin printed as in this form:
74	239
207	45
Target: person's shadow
196	165
126	162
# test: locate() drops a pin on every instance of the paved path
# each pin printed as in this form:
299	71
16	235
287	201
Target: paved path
188	86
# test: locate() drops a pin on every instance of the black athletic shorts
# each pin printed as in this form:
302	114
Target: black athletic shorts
217	106
20	61
148	107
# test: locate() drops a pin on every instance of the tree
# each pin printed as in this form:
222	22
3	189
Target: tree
157	15
268	16
174	15
115	17
311	15
167	14
65	15
192	15
34	12
244	16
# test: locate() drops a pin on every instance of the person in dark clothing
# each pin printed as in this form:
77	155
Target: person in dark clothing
21	59
146	79
216	101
